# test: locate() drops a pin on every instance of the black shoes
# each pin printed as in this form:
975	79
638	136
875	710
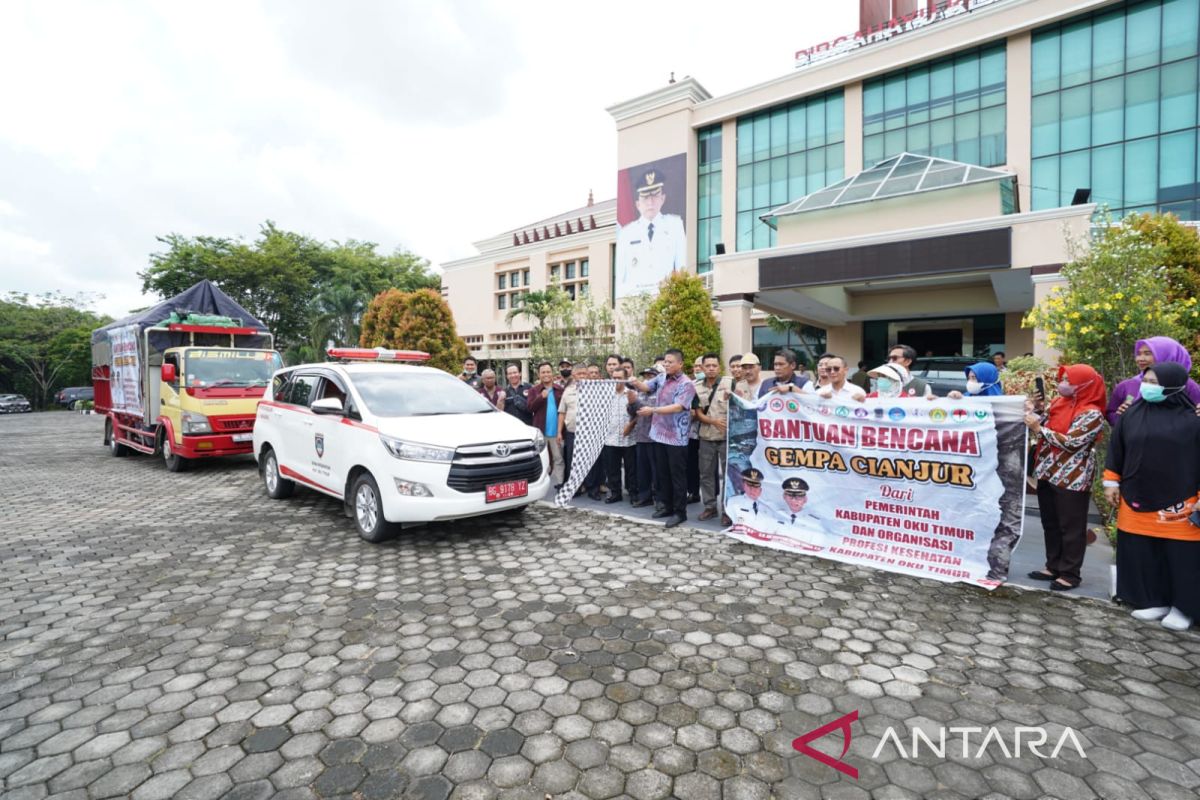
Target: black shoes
1042	575
693	498
613	498
662	512
593	495
641	503
678	519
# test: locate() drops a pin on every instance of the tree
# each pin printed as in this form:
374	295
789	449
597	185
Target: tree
288	280
635	339
418	320
1131	283
539	305
578	330
45	343
682	316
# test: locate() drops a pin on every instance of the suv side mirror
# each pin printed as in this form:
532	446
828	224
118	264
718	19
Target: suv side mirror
327	405
168	373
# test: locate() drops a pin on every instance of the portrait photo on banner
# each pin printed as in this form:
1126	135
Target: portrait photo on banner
651	242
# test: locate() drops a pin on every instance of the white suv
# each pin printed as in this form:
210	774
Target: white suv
396	443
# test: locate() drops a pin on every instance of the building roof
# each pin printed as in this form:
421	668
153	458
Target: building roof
898	176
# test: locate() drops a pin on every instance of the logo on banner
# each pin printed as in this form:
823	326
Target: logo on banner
825	410
896	414
777	405
319	439
861	413
938	415
961	415
793	406
981	413
842	411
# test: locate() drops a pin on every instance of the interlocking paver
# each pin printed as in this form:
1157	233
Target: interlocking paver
264	651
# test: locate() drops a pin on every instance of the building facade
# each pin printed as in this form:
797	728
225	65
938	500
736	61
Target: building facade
917	180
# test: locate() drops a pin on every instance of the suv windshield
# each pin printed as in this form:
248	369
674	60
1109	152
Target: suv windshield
223	366
418	394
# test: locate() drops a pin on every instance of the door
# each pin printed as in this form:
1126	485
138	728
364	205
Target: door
330	441
295	424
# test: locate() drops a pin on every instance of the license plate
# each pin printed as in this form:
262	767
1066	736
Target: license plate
243	437
507	490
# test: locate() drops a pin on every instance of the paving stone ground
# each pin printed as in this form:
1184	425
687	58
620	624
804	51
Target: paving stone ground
182	636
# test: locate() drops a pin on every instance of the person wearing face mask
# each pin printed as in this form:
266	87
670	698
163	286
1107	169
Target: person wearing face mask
1147	353
887	380
1064	466
983	380
1152	476
469	374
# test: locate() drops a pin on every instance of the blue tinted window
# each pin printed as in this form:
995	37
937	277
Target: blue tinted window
953	108
708	195
1116	106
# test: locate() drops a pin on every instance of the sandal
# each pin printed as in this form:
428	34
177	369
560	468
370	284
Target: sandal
1058	586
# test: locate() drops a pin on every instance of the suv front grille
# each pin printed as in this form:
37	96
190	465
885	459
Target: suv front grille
476	467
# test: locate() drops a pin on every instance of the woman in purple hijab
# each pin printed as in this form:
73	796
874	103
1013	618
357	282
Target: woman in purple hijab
1147	353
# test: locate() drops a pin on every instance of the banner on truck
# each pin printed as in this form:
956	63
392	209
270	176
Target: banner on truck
932	489
125	382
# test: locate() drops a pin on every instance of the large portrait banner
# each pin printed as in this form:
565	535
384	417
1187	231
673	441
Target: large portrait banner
651	242
125	382
934	489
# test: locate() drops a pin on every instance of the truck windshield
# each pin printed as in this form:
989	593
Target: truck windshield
223	366
418	394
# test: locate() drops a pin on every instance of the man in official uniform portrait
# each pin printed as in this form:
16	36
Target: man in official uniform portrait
749	508
654	244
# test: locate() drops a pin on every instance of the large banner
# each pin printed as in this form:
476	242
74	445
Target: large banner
125	382
934	489
651	243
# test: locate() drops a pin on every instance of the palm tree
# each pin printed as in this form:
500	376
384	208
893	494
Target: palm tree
339	311
539	305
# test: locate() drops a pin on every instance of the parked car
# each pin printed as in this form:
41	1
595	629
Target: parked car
14	404
944	373
397	443
68	396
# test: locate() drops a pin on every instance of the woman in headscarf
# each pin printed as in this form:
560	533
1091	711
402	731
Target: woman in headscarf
983	380
1147	353
1065	466
1153	473
889	380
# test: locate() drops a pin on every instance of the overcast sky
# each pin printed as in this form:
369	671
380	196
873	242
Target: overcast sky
426	125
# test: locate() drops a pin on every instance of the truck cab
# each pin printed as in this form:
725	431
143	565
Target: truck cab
207	398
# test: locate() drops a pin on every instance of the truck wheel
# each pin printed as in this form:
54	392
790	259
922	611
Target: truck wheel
278	487
171	460
115	448
368	511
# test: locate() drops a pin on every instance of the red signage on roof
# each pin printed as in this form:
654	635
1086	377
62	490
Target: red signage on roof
927	14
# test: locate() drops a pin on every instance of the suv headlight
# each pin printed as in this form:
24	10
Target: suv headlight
415	451
195	423
539	440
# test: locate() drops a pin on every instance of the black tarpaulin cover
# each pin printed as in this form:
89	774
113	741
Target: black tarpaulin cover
202	298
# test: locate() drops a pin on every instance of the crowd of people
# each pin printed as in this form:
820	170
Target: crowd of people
665	445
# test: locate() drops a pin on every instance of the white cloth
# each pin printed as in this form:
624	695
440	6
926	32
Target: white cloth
848	391
618	419
643	261
757	514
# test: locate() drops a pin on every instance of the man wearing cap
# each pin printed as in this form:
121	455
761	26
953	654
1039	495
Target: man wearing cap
654	244
751	383
795	497
889	380
749	508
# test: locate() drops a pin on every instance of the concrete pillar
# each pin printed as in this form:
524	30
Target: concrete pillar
736	336
1017	340
845	341
1043	286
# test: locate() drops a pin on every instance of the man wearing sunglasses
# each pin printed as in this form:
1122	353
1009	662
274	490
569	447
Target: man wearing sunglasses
832	368
904	355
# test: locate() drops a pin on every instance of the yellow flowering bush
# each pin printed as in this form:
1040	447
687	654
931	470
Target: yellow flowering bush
1136	279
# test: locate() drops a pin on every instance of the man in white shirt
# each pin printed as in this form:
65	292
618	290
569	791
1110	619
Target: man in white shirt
749	509
838	387
652	246
752	379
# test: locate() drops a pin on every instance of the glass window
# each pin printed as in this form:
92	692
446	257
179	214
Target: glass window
1045	124
1045	62
1108	110
583	268
1107	173
1076	118
500	280
424	394
555	272
1141	104
1178	86
1045	182
570	265
501	301
1177	167
1141	172
525	278
1108	44
1076	54
1181	23
1143	24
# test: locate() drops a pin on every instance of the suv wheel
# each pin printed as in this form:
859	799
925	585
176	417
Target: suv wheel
278	487
368	510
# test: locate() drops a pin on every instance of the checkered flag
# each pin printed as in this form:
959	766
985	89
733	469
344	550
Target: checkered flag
591	427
